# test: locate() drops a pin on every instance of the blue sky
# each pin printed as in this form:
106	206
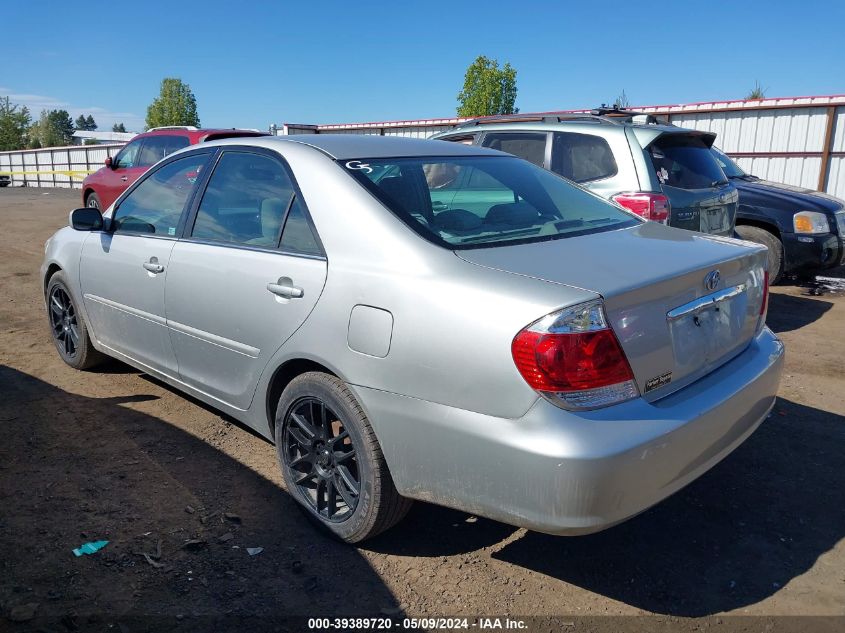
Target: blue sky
255	63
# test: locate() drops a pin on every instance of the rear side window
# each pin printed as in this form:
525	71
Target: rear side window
246	200
530	146
155	206
582	157
685	162
297	236
157	147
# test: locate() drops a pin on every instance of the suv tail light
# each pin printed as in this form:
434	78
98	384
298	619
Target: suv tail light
573	359
651	206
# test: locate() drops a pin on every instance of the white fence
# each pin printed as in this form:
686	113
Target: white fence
55	166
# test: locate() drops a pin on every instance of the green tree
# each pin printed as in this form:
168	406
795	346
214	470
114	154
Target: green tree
487	89
14	123
175	105
53	129
118	127
86	124
757	92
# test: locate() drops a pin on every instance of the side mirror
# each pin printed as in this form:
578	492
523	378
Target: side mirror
109	162
86	219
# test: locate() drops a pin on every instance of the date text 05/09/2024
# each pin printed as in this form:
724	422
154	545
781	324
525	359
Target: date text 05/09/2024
387	623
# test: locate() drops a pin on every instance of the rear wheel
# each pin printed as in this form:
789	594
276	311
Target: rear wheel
331	460
70	334
770	241
93	201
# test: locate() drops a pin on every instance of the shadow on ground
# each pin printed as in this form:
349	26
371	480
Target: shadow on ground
732	538
76	469
788	312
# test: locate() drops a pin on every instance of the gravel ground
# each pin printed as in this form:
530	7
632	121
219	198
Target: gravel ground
116	455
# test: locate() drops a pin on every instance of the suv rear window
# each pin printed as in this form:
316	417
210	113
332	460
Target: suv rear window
472	202
685	162
582	157
528	145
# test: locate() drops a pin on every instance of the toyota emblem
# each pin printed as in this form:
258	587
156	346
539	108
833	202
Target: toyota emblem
711	280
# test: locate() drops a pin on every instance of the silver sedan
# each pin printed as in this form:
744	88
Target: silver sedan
412	319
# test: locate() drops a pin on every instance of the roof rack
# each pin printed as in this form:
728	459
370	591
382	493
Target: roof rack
633	116
192	128
530	118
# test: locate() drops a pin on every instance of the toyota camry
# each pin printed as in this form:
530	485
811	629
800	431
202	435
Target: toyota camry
410	319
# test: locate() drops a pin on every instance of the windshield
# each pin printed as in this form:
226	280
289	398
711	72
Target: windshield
731	169
685	162
471	202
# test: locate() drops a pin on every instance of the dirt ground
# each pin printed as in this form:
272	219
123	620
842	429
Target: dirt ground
116	455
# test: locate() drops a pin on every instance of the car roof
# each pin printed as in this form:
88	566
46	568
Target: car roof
345	146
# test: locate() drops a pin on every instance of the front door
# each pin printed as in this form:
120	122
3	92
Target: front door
124	171
123	271
246	276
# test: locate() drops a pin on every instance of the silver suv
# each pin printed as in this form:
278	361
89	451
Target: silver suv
657	170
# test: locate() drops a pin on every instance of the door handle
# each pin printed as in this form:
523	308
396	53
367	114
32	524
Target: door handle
285	288
153	266
124	178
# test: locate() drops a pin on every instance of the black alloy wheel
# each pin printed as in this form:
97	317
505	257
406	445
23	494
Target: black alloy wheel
320	452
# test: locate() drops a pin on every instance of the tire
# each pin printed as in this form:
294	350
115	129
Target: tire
68	328
326	448
770	241
93	201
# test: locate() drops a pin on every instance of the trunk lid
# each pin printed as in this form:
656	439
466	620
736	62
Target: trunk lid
672	325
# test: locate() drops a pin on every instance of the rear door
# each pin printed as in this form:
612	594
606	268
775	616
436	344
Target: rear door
701	196
245	276
123	271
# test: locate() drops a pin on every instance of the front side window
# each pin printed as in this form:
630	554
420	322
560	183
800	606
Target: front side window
246	201
685	162
489	200
582	157
157	147
128	156
155	206
530	146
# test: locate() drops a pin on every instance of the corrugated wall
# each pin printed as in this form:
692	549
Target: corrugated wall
797	140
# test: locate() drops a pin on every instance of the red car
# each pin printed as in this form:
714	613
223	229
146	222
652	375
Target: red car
104	186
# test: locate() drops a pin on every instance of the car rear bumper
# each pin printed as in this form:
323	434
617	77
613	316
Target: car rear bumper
812	252
561	472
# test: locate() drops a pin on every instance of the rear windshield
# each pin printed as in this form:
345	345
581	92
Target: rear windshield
472	202
685	162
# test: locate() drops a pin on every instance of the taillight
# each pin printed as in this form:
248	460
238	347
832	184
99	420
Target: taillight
573	358
651	206
765	303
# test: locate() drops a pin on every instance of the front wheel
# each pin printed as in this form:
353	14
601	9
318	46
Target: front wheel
70	333
770	241
331	460
93	201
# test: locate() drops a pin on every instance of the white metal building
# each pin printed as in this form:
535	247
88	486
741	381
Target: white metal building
796	140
